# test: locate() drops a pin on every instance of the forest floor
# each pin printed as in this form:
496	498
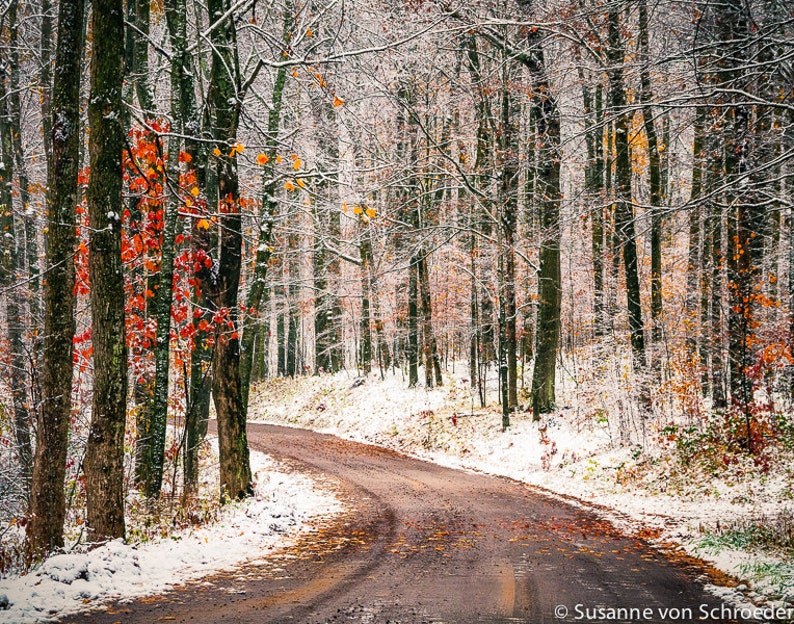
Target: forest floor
739	517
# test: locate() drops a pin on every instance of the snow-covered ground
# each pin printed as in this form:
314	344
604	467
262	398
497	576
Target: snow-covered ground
576	457
284	504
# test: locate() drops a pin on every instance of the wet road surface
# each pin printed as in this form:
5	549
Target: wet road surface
423	544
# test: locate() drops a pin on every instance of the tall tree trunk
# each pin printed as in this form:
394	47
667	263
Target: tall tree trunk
547	119
47	501
594	183
655	180
104	460
293	318
719	390
365	324
412	351
141	75
267	219
696	257
186	118
328	313
151	477
224	102
480	351
45	78
15	232
508	221
430	345
624	209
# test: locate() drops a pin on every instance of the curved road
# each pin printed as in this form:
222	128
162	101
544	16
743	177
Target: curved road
426	544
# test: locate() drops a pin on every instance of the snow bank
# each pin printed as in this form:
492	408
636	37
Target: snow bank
282	506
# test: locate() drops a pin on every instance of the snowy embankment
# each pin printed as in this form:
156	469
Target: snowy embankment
283	506
569	454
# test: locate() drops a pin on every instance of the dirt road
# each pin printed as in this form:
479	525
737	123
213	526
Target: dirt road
426	544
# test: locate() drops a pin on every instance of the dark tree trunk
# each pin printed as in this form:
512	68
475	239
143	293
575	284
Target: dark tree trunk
430	345
547	119
150	476
624	208
412	352
655	180
186	119
224	102
47	502
508	221
13	247
594	183
104	460
365	325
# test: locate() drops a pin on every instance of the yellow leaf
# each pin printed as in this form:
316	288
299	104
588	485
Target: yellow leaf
239	147
357	210
344	207
338	101
279	159
301	183
203	224
194	191
296	164
371	213
309	32
289	185
262	159
216	151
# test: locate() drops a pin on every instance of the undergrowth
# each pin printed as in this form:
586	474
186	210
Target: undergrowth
777	577
771	532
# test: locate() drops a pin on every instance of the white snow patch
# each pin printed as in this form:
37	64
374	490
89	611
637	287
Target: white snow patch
282	507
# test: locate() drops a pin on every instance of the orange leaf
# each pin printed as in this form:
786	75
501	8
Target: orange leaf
289	185
262	159
338	101
203	224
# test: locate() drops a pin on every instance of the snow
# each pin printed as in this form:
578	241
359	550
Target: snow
573	458
282	507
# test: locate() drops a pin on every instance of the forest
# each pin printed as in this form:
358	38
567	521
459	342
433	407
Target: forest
201	196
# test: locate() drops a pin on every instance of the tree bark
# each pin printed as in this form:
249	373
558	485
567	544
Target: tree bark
430	345
508	220
224	103
104	460
655	180
624	208
13	247
547	120
47	501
